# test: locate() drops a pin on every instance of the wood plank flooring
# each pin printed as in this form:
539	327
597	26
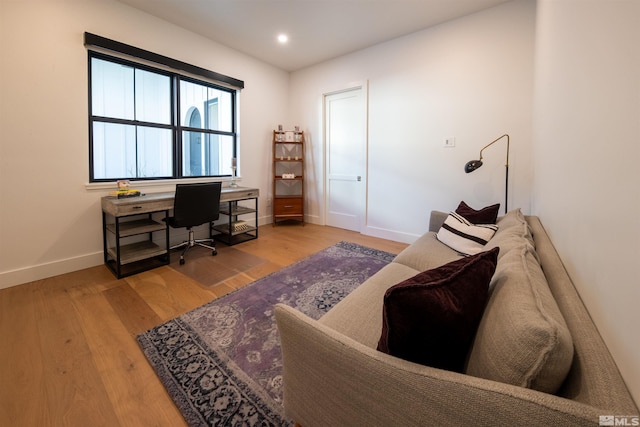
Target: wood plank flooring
68	354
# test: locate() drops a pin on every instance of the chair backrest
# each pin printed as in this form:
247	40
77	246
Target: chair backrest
196	204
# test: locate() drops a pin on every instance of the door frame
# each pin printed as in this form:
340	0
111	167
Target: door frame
364	86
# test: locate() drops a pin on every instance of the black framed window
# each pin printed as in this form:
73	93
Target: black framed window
150	123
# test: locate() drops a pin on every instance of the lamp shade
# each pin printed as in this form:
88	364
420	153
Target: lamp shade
472	165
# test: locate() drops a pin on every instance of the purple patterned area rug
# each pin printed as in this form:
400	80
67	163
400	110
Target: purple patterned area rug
221	363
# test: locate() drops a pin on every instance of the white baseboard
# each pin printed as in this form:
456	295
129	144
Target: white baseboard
396	236
50	269
42	271
265	219
54	268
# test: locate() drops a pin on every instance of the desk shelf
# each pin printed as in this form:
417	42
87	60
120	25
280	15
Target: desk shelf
137	251
127	250
233	210
140	226
235	237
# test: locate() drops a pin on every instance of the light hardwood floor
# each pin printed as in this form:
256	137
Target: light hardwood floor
68	355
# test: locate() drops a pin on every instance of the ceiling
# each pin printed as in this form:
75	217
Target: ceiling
318	30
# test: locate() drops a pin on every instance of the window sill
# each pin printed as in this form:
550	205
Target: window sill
109	186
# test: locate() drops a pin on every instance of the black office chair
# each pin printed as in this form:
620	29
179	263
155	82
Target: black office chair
195	204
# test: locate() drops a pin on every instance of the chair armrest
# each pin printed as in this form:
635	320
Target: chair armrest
330	379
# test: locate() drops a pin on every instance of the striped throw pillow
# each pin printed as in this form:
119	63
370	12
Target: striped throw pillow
464	237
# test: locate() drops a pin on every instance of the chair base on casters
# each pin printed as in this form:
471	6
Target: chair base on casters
188	244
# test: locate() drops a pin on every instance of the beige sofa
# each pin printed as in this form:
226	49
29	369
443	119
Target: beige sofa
537	358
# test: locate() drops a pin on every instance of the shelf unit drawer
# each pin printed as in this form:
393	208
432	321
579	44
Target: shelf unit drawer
137	205
288	206
239	195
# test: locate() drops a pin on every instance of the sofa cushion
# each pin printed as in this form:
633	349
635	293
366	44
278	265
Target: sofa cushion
426	253
431	318
522	338
486	215
359	314
464	237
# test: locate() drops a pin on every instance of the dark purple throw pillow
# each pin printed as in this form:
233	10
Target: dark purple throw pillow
486	215
432	317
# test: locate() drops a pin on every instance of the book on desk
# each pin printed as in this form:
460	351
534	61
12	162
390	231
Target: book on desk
122	194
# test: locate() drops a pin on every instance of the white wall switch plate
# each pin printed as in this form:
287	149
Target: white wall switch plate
450	142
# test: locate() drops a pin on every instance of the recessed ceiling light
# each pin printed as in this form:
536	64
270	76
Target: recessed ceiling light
283	38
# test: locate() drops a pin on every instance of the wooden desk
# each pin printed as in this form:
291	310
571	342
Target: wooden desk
132	219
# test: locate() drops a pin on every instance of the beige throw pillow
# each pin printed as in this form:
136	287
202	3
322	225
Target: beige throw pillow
522	338
513	231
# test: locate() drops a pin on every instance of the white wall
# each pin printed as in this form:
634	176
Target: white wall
586	154
50	223
471	78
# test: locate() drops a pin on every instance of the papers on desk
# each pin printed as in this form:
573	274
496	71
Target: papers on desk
121	194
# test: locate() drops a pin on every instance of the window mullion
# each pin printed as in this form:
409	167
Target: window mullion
208	131
177	134
130	122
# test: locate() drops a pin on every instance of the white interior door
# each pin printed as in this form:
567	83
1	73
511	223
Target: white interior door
346	153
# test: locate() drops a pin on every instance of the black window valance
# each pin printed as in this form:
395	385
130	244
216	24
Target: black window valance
112	45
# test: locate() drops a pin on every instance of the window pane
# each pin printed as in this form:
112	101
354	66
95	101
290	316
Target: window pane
155	157
219	111
153	97
212	105
116	154
111	90
135	120
206	154
114	151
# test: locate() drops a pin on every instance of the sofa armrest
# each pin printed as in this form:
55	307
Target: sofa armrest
330	379
436	220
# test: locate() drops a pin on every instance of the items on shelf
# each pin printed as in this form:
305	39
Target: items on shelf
239	226
231	229
288	175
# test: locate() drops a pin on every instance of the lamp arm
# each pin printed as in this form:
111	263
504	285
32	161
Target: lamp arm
493	142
